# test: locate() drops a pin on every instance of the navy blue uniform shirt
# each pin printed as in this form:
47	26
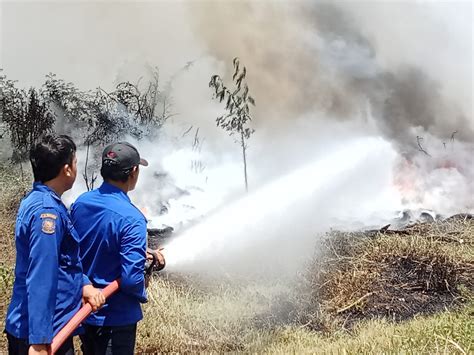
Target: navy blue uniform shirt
48	275
112	233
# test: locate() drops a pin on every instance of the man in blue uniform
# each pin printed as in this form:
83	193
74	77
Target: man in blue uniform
112	234
49	282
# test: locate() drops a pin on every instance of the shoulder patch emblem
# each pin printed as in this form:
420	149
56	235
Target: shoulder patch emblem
48	226
48	215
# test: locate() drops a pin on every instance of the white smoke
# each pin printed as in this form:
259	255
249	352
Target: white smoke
273	230
322	75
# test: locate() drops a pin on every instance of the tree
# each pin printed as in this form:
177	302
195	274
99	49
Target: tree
94	118
150	106
26	115
82	110
237	101
103	117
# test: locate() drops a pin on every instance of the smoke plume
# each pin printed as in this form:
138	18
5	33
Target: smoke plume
321	57
322	74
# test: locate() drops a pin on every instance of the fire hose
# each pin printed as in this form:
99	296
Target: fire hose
86	309
79	317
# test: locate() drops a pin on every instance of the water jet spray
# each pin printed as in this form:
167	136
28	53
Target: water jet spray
261	216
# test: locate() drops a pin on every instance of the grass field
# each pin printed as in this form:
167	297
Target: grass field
182	320
378	292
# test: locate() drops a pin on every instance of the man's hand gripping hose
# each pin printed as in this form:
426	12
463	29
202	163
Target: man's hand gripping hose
79	317
155	261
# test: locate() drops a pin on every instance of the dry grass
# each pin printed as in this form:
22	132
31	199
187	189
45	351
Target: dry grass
181	319
357	287
183	316
12	189
421	270
345	303
445	333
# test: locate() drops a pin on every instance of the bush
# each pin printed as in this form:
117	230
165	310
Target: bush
395	274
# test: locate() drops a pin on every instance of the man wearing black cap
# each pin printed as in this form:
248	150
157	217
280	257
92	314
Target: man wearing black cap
112	234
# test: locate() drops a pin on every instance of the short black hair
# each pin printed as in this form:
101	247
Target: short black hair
110	172
49	154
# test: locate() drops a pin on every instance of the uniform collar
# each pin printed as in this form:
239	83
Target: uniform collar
107	188
38	186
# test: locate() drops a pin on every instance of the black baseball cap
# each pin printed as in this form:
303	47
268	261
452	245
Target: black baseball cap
122	156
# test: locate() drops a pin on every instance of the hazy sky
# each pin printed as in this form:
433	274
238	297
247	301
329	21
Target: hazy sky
91	42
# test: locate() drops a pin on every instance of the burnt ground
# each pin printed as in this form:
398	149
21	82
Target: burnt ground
396	274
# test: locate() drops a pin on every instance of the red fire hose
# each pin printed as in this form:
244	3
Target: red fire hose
77	319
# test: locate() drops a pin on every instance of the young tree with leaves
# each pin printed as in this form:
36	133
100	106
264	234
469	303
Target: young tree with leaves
237	104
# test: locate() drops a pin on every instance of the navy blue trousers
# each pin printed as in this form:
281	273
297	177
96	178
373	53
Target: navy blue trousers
109	340
18	346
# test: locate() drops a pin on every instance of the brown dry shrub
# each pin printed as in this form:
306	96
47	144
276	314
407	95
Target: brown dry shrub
395	274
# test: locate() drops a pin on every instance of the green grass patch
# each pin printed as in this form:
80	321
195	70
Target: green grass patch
444	333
